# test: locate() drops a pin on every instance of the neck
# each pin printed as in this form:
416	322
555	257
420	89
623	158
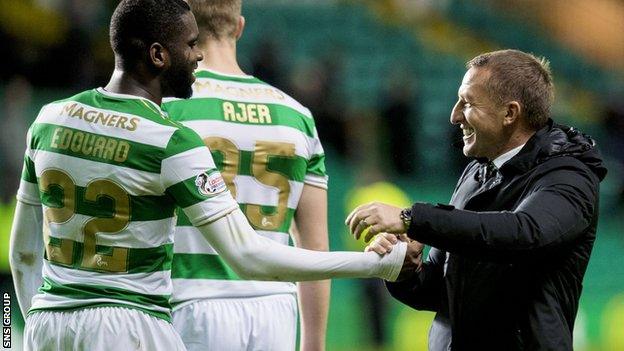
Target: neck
516	139
220	55
123	82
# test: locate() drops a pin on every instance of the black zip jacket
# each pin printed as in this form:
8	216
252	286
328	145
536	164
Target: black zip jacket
518	247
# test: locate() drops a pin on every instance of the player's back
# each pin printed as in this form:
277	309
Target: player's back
266	146
95	162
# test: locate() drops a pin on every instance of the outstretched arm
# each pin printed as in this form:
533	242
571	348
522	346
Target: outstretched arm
26	253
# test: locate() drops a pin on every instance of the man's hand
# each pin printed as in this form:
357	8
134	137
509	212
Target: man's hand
383	244
378	216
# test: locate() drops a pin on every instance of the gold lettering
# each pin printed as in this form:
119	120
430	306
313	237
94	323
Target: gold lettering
89	116
109	149
121	123
55	137
112	120
264	114
69	109
102	119
251	113
133	124
65	139
78	113
122	151
76	143
228	111
100	142
242	117
87	144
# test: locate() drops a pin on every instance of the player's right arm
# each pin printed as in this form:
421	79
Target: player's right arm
26	243
188	165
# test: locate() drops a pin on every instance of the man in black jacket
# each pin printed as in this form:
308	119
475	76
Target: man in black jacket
509	253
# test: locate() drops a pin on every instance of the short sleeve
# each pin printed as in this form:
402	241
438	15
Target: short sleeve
190	176
316	173
28	191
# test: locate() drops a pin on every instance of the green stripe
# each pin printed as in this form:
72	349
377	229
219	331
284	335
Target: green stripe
140	156
212	109
140	260
86	292
208	74
293	168
28	172
316	165
284	228
142	208
182	140
201	266
186	193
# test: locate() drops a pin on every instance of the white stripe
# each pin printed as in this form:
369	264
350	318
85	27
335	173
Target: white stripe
245	136
211	209
137	235
251	191
185	290
316	180
154	283
44	301
82	172
245	92
185	165
191	241
28	193
147	132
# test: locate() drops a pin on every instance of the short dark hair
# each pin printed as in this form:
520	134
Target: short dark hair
217	19
519	76
136	24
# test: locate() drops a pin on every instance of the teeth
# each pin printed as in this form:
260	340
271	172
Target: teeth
467	131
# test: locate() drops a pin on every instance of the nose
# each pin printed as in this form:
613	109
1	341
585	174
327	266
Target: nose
457	116
200	56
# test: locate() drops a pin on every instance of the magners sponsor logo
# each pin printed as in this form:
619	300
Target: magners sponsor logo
79	111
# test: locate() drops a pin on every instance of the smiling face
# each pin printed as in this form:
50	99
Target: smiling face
184	53
480	117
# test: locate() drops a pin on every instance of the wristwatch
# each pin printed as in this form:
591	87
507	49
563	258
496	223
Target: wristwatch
406	217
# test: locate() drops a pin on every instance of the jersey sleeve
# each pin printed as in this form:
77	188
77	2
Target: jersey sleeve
189	175
316	174
28	191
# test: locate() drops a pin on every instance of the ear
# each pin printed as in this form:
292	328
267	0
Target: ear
159	56
240	27
512	113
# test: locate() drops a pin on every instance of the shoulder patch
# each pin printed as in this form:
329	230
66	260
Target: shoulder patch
210	183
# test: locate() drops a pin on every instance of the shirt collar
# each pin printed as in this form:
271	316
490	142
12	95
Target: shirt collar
500	160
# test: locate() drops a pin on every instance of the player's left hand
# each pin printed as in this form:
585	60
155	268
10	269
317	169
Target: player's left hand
377	216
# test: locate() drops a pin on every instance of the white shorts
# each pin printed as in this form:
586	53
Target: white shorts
267	323
99	329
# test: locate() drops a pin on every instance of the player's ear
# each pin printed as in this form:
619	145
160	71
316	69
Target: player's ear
159	56
240	26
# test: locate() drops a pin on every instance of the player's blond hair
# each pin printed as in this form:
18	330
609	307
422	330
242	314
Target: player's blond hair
216	19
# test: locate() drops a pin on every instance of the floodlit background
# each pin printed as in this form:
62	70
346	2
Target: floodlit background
381	78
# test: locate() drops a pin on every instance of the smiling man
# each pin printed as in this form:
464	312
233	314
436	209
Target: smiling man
510	251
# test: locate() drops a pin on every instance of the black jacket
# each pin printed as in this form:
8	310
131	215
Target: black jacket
518	248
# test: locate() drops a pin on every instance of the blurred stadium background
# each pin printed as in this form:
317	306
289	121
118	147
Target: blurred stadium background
380	77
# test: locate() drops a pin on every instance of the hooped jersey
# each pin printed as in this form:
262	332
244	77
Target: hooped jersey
109	170
266	146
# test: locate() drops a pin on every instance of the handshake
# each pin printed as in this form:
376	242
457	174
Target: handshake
385	224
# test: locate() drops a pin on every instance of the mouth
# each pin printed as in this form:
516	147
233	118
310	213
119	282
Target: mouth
468	132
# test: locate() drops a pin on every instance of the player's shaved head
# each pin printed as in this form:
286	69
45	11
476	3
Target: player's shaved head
216	19
136	24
